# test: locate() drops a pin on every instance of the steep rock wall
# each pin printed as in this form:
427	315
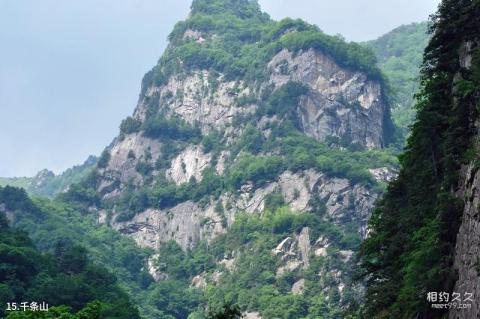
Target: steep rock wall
189	222
467	249
341	103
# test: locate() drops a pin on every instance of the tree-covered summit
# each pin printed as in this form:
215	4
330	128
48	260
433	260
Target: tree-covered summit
243	9
235	38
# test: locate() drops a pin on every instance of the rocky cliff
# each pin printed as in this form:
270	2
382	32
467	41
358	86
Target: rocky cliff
339	103
245	116
466	254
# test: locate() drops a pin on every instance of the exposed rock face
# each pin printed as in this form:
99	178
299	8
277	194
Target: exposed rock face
467	250
42	178
188	223
341	103
320	247
189	164
154	270
343	202
199	281
294	252
205	119
195	100
383	174
297	288
125	154
252	315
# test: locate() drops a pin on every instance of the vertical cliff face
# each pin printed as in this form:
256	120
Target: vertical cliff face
341	103
467	249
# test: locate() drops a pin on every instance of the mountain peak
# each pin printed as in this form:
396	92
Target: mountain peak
244	9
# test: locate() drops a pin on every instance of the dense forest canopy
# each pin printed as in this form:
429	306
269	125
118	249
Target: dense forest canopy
410	249
65	278
239	40
399	54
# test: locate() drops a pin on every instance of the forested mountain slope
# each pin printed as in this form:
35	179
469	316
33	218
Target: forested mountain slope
424	232
399	54
46	184
65	278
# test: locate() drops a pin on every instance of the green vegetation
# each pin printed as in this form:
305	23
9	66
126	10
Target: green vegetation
56	225
51	223
130	125
47	184
104	159
228	312
300	153
161	127
351	55
239	40
65	276
240	8
236	40
399	54
414	227
20	182
295	152
174	128
93	310
253	285
284	101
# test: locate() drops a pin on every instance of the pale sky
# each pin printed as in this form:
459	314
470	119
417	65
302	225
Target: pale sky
70	71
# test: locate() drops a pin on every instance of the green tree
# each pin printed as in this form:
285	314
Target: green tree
228	311
410	248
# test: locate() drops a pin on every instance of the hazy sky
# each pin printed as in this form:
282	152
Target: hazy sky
70	71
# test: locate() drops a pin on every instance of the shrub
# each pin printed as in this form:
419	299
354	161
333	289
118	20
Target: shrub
284	100
130	125
173	128
104	159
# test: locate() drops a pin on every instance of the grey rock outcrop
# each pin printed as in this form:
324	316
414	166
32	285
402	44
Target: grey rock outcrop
188	223
125	154
294	252
193	99
252	315
341	103
383	174
189	164
467	249
297	288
